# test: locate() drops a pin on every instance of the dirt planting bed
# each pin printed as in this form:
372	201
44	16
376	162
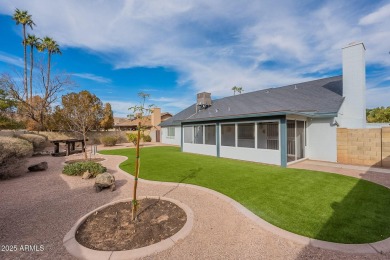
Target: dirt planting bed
111	229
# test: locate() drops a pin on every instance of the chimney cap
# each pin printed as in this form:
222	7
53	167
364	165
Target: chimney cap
354	44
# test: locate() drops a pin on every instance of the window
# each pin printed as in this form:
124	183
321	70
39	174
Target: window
188	134
268	135
228	135
171	132
209	131
198	134
246	135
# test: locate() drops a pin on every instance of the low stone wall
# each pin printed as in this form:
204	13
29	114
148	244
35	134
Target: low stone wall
369	147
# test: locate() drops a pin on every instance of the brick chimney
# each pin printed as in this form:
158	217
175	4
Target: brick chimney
155	118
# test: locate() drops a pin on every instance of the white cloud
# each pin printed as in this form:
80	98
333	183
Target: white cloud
11	59
214	45
92	77
380	15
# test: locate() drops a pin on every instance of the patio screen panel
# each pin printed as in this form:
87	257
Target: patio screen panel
188	137
228	135
209	131
268	135
198	134
246	135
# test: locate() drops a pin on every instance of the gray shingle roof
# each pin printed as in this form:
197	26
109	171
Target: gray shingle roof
323	96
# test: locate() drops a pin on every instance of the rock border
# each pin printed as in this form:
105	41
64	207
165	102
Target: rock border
379	247
81	252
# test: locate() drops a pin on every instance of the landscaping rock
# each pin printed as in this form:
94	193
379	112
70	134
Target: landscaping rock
87	175
104	180
42	166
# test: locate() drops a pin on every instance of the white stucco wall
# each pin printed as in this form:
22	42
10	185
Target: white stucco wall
251	154
205	149
352	113
322	140
170	140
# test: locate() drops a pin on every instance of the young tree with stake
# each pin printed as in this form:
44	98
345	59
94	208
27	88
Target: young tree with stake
139	112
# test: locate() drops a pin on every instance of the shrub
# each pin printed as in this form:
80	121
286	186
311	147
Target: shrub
109	140
132	137
78	168
147	138
14	151
38	141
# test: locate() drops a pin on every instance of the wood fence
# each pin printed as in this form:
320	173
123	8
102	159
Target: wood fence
369	147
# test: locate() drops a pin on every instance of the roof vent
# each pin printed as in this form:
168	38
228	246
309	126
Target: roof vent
203	100
295	87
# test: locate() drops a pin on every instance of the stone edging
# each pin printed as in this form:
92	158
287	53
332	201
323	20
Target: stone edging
81	252
379	247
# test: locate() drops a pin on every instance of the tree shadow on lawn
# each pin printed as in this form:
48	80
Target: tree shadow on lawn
361	216
191	175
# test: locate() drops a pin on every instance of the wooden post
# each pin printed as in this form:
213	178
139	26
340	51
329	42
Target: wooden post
135	202
67	148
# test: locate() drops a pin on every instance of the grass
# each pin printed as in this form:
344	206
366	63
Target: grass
314	204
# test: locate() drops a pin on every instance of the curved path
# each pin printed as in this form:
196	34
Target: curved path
40	208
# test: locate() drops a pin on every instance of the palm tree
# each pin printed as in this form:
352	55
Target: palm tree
34	42
237	89
23	18
52	48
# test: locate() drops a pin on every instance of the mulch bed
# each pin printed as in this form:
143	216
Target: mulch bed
111	229
83	160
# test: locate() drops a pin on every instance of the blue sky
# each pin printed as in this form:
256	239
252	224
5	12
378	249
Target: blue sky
174	49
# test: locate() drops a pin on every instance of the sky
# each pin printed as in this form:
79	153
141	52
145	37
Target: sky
176	48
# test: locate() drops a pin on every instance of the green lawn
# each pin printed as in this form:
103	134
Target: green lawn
315	204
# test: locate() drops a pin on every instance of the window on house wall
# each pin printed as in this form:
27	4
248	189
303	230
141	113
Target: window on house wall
246	135
228	135
198	134
171	132
268	135
188	137
209	131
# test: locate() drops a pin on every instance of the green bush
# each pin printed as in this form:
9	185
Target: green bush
78	168
38	141
13	153
147	138
132	137
109	140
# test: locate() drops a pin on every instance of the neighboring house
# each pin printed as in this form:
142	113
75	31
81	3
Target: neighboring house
276	125
150	122
125	124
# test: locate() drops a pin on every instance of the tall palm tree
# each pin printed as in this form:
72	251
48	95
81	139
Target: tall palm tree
23	18
52	48
34	42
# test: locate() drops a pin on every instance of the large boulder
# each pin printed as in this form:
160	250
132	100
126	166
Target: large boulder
104	180
42	166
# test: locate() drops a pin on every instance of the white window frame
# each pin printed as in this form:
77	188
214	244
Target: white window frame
174	132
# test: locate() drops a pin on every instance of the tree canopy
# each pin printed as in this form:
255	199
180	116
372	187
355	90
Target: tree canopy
378	115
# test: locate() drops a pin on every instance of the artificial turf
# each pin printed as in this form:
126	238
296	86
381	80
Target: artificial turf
314	204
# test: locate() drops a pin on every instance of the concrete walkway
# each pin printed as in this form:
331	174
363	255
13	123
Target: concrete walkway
377	175
38	209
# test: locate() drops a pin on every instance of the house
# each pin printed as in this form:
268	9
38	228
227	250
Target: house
126	124
277	125
151	123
